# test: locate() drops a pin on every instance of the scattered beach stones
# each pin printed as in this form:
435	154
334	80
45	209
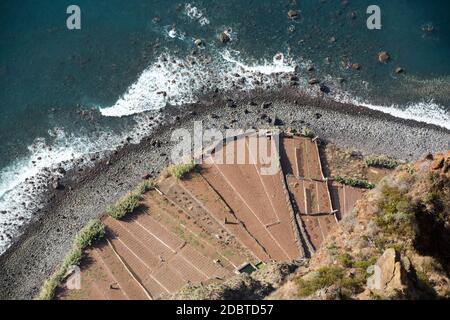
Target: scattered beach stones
325	89
266	105
278	122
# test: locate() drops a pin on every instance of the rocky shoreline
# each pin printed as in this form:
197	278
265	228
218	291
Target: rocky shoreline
84	195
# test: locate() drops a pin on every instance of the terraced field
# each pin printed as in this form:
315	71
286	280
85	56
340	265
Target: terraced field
221	217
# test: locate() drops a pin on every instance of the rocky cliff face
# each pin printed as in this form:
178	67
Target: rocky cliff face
394	245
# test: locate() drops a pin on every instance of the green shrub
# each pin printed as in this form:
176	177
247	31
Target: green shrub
93	231
357	183
143	187
345	260
181	170
382	162
395	216
364	264
324	277
307	133
124	206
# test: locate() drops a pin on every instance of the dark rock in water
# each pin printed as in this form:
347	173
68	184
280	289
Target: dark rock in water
313	81
398	70
383	57
356	66
325	89
352	15
292	14
332	40
246	111
253	103
318	116
224	38
293	78
340	79
156	19
198	42
310	69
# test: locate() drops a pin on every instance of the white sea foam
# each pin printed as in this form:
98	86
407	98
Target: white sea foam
424	111
278	65
196	14
23	182
178	81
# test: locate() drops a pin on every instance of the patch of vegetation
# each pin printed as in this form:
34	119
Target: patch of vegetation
181	170
357	183
92	232
409	168
130	202
332	249
345	260
396	215
307	133
124	206
382	162
143	187
324	277
260	265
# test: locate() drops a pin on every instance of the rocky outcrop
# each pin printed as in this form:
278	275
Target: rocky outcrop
389	278
383	57
224	37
